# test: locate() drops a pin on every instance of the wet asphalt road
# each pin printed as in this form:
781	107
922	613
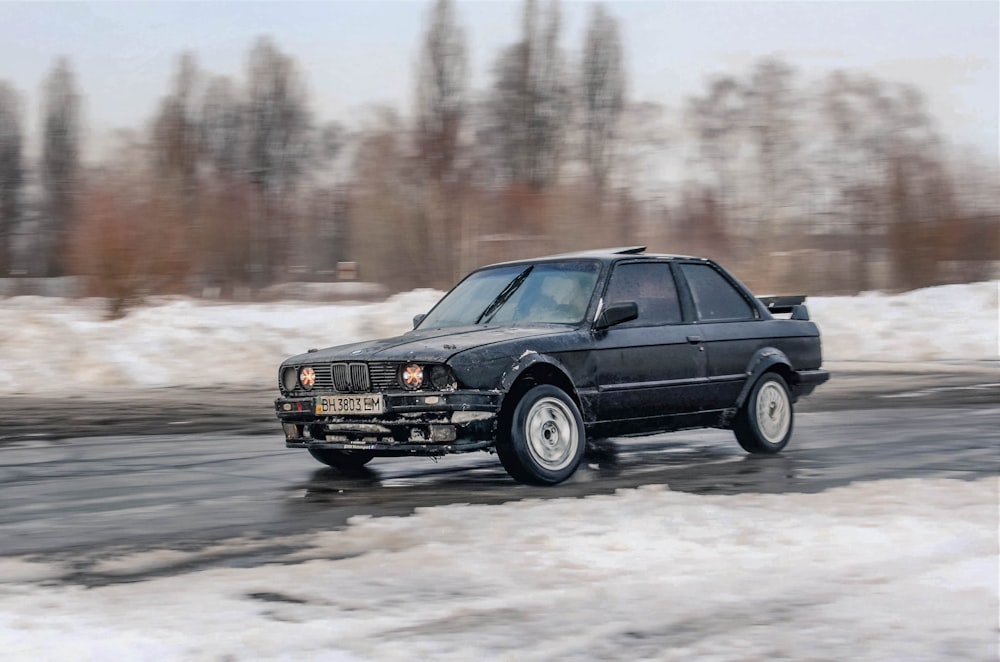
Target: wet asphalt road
81	499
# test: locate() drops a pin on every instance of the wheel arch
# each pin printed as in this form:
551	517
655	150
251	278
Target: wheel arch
532	370
768	359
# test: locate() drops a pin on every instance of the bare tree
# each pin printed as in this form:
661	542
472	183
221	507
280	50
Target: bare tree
530	101
920	193
327	214
226	205
126	240
851	166
11	173
176	136
389	233
716	120
643	144
882	163
60	162
441	91
277	118
176	151
440	112
603	88
771	117
277	149
222	123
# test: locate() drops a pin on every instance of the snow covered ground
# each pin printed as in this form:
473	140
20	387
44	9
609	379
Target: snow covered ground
946	323
893	570
62	345
900	570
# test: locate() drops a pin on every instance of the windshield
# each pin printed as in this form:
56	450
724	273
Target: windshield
545	293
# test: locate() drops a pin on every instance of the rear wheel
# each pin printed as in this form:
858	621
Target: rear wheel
344	461
764	422
544	440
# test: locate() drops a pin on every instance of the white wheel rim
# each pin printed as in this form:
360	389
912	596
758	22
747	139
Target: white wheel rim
773	412
551	432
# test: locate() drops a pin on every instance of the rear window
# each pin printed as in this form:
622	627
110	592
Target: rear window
715	298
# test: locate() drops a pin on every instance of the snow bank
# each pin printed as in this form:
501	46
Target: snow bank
903	570
66	346
946	323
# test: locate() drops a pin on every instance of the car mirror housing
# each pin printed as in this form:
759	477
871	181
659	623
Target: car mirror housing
417	319
617	313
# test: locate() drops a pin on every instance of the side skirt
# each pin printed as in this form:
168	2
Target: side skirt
656	424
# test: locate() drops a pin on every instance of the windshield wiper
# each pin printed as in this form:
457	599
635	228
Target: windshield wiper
504	295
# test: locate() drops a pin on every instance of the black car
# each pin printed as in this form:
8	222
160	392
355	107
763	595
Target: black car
530	359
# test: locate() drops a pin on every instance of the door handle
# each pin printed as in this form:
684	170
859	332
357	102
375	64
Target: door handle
694	340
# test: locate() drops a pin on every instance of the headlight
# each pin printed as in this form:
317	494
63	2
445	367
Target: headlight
443	379
289	379
307	377
412	376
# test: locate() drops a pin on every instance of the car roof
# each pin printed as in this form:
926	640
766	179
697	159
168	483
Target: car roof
605	255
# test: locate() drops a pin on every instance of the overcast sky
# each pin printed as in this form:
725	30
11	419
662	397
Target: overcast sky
355	53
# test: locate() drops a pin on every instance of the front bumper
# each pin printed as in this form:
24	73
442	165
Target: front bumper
419	423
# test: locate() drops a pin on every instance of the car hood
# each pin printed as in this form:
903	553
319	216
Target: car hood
432	345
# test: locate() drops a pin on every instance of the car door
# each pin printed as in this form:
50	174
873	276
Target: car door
729	327
647	368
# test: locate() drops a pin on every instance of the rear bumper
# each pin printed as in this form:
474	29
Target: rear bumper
808	380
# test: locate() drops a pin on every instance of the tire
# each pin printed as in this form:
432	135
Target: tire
544	440
347	462
765	421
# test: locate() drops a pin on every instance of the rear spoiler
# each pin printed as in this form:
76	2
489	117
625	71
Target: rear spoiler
794	304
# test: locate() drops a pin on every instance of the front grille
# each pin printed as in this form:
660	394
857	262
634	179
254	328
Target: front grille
384	375
346	377
349	377
324	381
377	376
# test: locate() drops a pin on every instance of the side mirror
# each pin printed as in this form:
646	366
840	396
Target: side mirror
417	319
617	313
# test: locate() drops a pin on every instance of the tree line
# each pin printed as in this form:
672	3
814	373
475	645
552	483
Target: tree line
839	182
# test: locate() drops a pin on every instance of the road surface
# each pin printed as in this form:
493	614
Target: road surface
216	469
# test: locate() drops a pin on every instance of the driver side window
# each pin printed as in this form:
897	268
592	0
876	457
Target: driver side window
651	286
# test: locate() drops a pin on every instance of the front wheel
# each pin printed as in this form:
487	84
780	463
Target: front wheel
347	462
544	440
764	422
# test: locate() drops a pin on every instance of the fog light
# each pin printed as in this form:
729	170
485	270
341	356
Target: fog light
442	433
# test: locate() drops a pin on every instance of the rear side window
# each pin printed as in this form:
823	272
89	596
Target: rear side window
651	286
715	298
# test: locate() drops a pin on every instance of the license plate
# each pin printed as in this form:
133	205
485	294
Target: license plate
337	405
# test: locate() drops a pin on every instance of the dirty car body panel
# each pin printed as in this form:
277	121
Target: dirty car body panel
531	358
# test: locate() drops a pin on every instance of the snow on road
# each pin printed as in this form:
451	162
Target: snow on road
60	345
892	570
